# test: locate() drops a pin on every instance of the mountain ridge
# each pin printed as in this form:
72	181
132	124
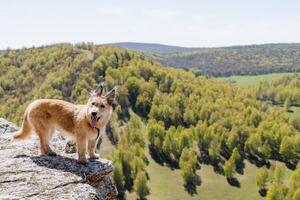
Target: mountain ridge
132	45
224	61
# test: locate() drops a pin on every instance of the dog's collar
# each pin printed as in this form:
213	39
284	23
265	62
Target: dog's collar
98	134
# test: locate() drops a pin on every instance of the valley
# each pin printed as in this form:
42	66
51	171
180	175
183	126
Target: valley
195	135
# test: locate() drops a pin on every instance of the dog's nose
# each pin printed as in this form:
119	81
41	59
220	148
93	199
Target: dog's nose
94	113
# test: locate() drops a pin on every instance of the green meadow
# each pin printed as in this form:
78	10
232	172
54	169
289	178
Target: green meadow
253	80
167	183
295	111
248	81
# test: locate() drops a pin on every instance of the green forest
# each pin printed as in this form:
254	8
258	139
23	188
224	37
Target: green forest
284	90
190	120
225	61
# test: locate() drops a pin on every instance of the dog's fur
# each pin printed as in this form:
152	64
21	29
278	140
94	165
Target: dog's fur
43	116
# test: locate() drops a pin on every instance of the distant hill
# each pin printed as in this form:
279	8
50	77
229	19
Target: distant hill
225	61
152	47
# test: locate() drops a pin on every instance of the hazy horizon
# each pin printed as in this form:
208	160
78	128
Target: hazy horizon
186	24
74	43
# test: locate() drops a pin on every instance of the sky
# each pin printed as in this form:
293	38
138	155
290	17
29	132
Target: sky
190	23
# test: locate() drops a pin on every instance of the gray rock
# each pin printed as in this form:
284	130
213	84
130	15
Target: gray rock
26	175
6	126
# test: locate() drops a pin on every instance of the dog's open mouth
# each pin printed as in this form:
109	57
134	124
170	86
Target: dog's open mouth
94	121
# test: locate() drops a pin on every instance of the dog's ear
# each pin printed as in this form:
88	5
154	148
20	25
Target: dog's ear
111	95
100	89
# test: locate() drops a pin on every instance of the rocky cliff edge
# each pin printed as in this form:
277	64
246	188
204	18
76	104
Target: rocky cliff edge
26	175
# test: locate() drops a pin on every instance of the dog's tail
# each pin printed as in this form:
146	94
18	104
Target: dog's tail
25	130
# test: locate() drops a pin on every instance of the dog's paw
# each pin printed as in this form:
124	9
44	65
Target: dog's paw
82	161
52	153
94	156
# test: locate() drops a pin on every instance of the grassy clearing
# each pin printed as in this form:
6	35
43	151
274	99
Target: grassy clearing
254	80
167	184
246	81
296	111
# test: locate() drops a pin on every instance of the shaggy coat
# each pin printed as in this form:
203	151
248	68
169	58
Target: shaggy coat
83	122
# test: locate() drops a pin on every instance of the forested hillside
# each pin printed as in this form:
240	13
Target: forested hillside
190	120
226	61
154	48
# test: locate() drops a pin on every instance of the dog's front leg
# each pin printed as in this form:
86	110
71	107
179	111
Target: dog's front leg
92	148
81	148
92	144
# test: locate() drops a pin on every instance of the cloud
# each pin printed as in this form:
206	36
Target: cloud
203	17
111	10
160	13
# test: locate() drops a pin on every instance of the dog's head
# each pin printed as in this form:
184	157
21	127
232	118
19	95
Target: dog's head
100	106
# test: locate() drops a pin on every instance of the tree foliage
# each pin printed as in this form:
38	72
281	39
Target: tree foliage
262	178
239	60
278	188
284	90
210	120
140	185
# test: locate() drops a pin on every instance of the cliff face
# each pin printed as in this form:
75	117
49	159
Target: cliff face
25	175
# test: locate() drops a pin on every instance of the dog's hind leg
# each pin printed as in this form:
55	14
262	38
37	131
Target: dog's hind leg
49	136
44	133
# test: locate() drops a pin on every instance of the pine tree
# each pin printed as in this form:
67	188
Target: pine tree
287	148
262	178
276	192
229	169
140	185
235	156
296	195
188	163
279	174
119	178
287	104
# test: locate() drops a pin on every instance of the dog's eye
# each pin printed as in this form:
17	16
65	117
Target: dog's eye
93	103
102	106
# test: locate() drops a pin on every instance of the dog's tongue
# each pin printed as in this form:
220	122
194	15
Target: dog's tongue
94	122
